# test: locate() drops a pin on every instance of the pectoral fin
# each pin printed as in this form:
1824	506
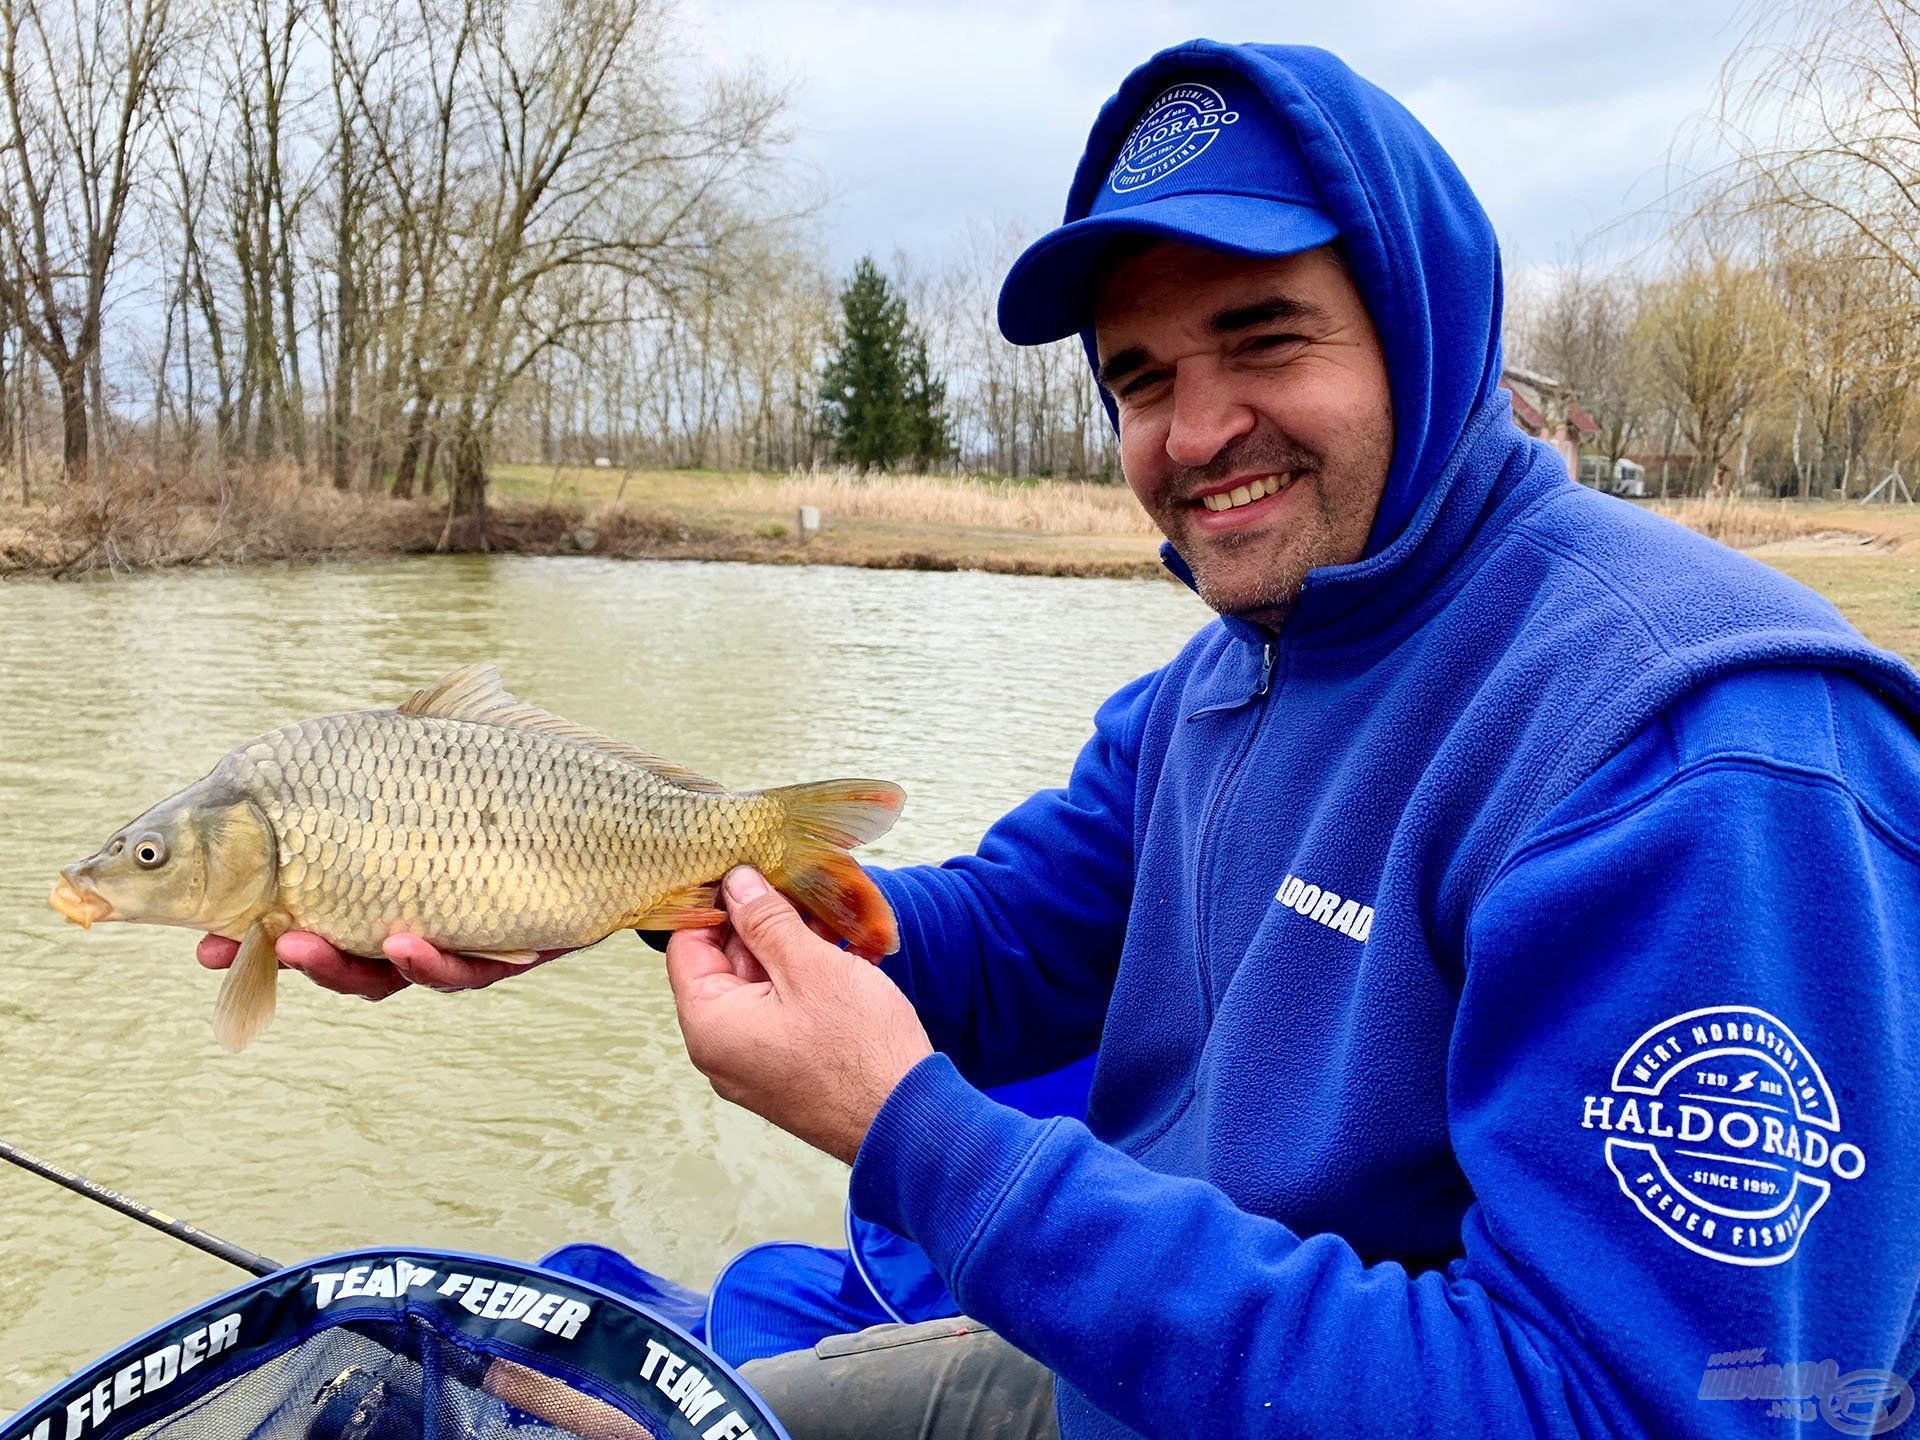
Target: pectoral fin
505	957
246	996
687	909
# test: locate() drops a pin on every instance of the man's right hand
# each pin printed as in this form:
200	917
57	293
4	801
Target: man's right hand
409	961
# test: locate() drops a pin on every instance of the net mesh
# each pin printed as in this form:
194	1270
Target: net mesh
397	1379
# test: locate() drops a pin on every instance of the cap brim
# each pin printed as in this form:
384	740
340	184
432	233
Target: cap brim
1049	292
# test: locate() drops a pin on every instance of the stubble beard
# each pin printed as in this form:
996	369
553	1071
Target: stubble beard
1220	574
1330	528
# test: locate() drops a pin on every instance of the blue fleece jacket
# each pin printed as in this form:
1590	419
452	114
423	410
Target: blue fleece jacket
1505	977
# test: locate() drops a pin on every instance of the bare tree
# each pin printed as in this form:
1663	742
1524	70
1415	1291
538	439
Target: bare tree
79	87
1822	107
263	198
1018	409
520	149
1582	332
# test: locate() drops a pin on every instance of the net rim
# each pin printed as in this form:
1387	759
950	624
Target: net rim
286	1317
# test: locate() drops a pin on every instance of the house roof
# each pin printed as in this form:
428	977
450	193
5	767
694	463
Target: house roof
1536	396
1527	413
1531	377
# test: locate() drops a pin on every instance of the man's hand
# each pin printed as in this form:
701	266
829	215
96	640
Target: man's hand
410	961
789	1025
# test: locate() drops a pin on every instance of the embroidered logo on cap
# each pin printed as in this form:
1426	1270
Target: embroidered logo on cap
1179	125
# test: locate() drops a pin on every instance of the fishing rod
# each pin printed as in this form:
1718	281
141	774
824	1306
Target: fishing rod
166	1224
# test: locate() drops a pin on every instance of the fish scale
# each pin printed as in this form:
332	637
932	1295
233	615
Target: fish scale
481	824
588	843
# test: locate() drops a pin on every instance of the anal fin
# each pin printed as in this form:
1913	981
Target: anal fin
689	908
246	995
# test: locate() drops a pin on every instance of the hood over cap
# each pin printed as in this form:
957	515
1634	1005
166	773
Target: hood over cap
1416	240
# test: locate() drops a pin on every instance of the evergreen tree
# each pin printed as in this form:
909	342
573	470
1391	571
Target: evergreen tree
864	389
929	429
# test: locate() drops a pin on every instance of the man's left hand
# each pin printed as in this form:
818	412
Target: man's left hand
787	1024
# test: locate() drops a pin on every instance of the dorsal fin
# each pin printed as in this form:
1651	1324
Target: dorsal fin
472	692
475	693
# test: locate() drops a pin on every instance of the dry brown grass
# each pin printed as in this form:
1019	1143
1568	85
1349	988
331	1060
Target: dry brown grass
133	522
130	521
1046	507
1748	524
1863	558
555	527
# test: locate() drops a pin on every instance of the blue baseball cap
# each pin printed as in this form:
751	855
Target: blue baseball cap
1207	163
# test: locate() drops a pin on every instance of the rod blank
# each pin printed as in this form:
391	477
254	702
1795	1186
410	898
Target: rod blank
166	1224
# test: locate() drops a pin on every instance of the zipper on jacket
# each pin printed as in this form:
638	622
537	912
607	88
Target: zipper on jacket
1268	656
1202	903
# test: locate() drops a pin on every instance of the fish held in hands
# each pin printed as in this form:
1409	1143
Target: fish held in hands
489	827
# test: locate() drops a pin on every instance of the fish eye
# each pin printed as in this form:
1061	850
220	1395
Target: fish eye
150	852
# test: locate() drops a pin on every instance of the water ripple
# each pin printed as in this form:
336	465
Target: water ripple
559	1107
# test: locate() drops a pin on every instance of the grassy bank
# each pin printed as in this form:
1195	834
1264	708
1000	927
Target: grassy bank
912	522
1866	560
900	522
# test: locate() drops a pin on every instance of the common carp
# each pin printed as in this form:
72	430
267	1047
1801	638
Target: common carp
485	825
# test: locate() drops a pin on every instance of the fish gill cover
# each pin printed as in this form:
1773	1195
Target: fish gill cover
405	1345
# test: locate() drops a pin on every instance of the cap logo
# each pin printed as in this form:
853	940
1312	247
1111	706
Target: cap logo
1178	126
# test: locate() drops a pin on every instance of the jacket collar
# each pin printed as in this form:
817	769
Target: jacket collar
1494	472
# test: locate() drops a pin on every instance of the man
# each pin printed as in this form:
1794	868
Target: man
1497	929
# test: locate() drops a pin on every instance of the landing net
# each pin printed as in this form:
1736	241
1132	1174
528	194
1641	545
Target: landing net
405	1345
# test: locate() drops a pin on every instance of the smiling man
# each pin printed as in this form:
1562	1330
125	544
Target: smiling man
1256	421
1497	928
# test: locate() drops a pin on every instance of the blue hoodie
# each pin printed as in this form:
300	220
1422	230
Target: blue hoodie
1505	978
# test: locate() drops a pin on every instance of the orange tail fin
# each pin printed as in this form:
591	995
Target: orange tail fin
824	821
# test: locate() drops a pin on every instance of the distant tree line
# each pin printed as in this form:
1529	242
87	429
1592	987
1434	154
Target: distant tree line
380	244
1778	346
383	242
780	363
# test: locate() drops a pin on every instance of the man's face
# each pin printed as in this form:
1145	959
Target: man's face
1256	424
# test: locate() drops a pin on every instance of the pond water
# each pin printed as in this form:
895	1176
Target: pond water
552	1108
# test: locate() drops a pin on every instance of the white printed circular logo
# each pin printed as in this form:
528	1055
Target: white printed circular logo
1179	125
1722	1130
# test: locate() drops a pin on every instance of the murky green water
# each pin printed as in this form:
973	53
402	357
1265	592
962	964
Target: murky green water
552	1108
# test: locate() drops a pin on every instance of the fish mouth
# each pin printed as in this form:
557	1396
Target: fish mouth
84	907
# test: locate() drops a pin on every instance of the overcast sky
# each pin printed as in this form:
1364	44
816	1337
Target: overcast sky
919	116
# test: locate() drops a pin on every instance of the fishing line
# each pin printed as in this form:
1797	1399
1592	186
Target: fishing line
166	1224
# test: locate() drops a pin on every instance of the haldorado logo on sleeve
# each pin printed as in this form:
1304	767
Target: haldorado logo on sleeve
1722	1129
1179	125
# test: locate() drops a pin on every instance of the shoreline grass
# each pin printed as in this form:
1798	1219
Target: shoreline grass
1867	560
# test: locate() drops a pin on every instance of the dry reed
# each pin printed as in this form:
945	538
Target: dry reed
1746	524
1048	507
127	520
130	521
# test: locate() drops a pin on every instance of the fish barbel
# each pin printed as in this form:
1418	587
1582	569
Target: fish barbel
486	826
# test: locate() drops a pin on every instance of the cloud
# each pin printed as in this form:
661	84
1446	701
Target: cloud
922	116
